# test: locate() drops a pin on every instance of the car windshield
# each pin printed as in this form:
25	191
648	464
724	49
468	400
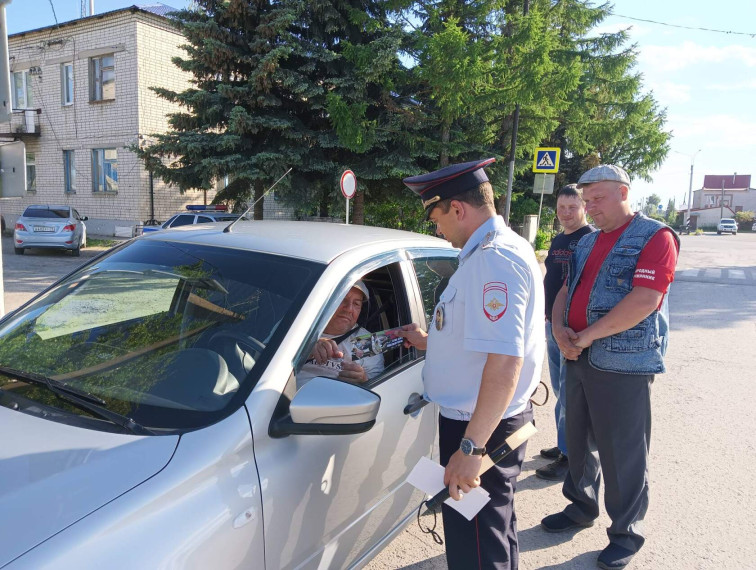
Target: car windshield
171	335
33	212
727	221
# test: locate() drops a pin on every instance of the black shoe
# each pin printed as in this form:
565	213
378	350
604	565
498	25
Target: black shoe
614	557
551	453
555	471
560	522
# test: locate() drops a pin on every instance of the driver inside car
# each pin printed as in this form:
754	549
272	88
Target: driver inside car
332	354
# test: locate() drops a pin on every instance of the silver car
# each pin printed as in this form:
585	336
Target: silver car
52	227
153	418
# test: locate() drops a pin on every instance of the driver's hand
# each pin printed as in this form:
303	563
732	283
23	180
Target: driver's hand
324	350
352	372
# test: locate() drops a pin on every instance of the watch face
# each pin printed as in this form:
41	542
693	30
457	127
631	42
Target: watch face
466	446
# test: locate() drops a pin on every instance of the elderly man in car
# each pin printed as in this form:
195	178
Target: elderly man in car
332	354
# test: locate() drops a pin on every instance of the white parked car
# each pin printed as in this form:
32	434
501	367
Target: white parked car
50	227
153	417
727	225
194	215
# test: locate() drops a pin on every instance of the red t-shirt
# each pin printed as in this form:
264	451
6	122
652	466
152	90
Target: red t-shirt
655	270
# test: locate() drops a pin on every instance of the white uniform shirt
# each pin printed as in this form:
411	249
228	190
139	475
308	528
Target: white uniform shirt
373	365
494	303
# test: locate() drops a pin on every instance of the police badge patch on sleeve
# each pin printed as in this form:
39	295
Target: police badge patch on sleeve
495	300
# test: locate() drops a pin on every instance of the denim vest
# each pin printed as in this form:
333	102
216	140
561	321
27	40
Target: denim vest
640	349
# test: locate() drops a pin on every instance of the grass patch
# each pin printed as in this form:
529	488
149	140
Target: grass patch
94	242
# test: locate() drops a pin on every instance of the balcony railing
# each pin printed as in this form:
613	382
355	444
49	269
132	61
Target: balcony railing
23	122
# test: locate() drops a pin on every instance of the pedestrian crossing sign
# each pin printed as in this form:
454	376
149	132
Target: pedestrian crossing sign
546	160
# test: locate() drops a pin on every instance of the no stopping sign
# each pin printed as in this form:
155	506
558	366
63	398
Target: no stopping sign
348	184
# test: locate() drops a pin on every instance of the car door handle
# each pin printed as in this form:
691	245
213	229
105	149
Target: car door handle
414	404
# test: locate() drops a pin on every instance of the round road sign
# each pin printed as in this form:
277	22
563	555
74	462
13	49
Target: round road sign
348	184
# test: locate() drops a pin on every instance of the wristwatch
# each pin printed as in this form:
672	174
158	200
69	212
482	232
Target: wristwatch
468	447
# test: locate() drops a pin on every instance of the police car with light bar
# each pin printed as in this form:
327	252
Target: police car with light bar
195	214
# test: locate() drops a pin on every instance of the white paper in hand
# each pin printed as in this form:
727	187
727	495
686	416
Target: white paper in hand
428	476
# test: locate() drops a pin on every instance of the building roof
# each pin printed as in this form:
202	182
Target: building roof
155	8
158	8
737	182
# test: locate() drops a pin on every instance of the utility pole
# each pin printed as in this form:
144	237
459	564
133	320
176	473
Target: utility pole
690	186
5	111
721	199
721	202
513	150
5	83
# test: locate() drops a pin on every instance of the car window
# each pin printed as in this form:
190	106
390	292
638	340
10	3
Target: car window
204	220
36	212
183	220
433	275
167	224
387	308
171	335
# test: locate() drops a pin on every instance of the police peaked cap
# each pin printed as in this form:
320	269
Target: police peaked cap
448	181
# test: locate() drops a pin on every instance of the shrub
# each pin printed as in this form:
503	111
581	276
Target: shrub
698	232
542	240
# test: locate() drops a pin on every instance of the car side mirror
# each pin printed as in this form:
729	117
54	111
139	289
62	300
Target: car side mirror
84	218
325	406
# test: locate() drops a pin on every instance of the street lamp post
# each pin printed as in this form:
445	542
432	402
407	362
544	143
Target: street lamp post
690	185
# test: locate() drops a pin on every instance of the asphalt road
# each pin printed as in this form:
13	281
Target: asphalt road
703	449
702	506
26	275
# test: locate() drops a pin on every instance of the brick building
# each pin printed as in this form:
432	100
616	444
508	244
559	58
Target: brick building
722	196
81	99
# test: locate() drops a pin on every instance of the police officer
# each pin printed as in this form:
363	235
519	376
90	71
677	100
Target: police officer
485	351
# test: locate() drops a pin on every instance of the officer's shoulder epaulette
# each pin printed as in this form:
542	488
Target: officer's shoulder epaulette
489	240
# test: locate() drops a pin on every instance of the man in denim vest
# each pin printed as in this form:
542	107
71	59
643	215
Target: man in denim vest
611	323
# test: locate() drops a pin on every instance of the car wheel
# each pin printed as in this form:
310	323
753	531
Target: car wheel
18	250
76	252
719	233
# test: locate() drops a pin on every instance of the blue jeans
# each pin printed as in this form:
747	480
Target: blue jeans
557	370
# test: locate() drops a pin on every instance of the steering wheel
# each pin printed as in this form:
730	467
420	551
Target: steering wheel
245	341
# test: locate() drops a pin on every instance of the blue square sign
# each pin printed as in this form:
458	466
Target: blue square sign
546	160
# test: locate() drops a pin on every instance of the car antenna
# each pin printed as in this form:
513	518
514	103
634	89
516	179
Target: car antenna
227	229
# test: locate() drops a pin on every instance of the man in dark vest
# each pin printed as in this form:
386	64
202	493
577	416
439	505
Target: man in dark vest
571	214
611	323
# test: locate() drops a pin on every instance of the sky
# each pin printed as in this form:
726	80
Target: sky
705	80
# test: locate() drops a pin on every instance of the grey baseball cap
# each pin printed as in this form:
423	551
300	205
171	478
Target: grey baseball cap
602	173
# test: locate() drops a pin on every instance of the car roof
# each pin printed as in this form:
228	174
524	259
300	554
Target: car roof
49	206
316	241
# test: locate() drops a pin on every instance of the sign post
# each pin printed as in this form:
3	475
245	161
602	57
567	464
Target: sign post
348	188
543	184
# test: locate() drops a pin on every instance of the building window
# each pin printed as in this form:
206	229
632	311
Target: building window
69	172
104	170
31	172
23	98
102	78
67	83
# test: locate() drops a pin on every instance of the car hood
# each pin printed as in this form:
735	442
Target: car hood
52	475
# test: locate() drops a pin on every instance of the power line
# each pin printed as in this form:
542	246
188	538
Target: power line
53	11
731	32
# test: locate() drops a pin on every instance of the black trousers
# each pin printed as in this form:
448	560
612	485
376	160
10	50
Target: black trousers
609	430
490	539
